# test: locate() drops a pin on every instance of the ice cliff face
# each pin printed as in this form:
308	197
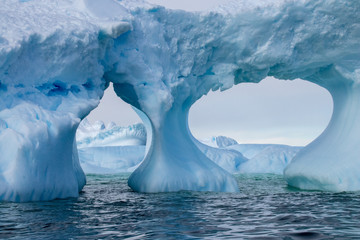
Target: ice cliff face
57	57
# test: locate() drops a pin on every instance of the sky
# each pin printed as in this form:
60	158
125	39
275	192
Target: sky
272	111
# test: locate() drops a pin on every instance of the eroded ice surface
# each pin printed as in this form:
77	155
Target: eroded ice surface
56	59
50	78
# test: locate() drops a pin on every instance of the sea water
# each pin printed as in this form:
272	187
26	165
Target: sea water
265	208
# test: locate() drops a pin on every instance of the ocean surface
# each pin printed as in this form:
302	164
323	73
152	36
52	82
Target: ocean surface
266	208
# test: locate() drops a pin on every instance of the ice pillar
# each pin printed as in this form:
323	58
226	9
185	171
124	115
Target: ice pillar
332	161
173	162
39	159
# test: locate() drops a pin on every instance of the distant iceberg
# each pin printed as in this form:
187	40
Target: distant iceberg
219	142
110	149
126	149
97	135
265	158
250	158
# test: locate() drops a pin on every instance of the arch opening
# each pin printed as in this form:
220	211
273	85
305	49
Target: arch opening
112	138
267	123
269	112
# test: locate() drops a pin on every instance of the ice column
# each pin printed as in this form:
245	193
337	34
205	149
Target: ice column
332	161
174	162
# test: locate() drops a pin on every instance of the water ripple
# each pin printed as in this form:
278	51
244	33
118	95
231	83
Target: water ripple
266	208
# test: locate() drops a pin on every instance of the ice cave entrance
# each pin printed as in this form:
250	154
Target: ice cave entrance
270	112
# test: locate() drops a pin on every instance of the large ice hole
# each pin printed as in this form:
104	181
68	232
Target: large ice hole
270	122
112	138
270	112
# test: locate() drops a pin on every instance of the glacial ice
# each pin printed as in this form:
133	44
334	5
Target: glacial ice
312	40
110	149
115	149
56	59
219	142
97	135
250	158
50	78
124	152
265	158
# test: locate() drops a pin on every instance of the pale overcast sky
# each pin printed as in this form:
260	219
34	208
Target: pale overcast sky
273	111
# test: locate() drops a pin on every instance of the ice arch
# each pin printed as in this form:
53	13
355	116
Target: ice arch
51	77
272	111
161	61
181	56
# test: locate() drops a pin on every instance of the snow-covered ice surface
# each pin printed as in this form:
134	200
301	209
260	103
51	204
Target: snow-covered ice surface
111	159
249	158
57	57
219	141
111	148
265	158
97	135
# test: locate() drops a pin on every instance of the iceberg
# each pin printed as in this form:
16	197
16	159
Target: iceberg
110	149
111	159
219	142
56	59
50	79
115	149
185	55
249	158
123	153
97	135
265	158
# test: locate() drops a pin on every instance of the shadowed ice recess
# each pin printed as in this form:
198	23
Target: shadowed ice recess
161	61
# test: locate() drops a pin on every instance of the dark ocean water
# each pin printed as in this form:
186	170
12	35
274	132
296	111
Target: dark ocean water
266	208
